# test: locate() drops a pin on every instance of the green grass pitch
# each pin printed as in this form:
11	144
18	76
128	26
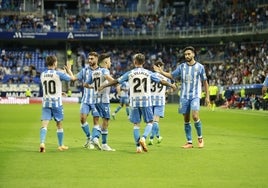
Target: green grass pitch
235	153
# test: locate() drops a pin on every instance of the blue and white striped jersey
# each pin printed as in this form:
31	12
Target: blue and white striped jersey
191	77
124	89
88	94
158	91
98	78
52	87
139	80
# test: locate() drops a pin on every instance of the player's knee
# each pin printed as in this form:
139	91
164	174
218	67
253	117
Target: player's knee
195	118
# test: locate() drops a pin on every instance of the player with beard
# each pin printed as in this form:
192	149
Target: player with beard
192	75
88	100
101	75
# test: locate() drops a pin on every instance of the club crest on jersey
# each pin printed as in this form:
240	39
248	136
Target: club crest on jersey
96	73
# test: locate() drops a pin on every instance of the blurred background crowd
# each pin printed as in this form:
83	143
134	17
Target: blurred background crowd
230	37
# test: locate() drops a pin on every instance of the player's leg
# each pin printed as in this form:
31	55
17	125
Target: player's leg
96	131
135	118
153	132
84	110
104	134
127	111
46	117
58	117
159	113
105	108
147	114
96	127
127	106
43	133
118	108
197	122
185	110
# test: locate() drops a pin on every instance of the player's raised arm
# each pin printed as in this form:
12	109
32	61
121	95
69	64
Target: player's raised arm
160	70
69	72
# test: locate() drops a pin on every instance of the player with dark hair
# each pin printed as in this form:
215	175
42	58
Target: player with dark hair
192	74
88	100
101	75
52	99
158	96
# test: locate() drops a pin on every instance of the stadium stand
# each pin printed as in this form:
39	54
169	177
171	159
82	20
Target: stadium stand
230	36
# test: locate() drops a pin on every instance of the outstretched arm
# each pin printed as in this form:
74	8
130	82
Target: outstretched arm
168	84
89	86
68	70
113	82
160	70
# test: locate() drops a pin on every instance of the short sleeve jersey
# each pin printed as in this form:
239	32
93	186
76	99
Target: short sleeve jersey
158	91
88	94
191	77
140	86
52	87
98	78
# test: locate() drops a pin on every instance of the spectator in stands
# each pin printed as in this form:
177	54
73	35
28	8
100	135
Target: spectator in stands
32	71
3	55
229	97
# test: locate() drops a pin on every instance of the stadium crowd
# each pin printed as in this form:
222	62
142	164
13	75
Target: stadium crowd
199	14
229	63
240	63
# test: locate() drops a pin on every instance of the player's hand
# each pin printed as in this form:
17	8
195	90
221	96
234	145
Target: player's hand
68	65
100	88
67	69
156	68
86	85
174	86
